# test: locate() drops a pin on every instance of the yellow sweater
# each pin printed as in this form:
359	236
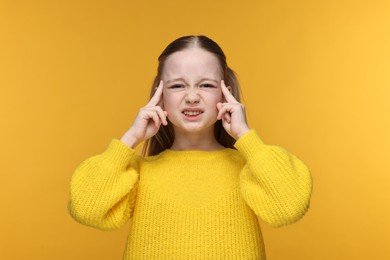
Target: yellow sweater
192	204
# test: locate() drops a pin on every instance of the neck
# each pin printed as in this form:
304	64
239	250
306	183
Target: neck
204	141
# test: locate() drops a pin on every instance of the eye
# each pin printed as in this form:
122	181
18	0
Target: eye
207	86
176	86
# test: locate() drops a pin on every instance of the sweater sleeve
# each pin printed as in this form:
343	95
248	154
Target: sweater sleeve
274	183
103	188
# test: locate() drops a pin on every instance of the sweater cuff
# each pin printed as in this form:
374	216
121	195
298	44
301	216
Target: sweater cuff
119	153
249	144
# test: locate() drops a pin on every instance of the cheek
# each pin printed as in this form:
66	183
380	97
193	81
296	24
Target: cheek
166	103
216	97
170	101
219	96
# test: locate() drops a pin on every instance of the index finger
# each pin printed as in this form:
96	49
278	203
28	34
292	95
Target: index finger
157	95
226	93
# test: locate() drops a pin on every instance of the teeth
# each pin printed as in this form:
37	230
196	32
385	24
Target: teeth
192	113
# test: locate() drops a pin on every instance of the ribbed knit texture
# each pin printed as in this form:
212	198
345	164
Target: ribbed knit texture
192	204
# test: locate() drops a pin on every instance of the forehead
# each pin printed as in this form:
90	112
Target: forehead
192	62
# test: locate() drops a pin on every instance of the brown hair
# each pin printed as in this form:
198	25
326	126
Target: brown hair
163	139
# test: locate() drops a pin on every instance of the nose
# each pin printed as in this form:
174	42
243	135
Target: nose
192	96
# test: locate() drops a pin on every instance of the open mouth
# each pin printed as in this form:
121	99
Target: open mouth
192	112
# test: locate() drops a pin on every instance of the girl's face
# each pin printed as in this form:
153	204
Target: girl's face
192	79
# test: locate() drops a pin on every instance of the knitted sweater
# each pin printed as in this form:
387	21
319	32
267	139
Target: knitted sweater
192	204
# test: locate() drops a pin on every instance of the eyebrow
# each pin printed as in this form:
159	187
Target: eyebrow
202	79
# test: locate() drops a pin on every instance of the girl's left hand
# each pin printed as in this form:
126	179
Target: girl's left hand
232	114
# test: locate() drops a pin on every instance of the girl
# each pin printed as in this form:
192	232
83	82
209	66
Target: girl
204	176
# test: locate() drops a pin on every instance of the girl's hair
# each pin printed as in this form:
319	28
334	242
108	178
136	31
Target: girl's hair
165	135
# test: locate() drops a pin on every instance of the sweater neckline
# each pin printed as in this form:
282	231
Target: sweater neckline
196	154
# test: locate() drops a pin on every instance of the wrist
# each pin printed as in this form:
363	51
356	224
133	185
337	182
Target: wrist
129	140
241	133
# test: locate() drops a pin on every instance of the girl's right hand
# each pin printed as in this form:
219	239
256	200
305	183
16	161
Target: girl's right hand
148	120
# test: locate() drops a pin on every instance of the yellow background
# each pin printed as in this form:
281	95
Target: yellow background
315	78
